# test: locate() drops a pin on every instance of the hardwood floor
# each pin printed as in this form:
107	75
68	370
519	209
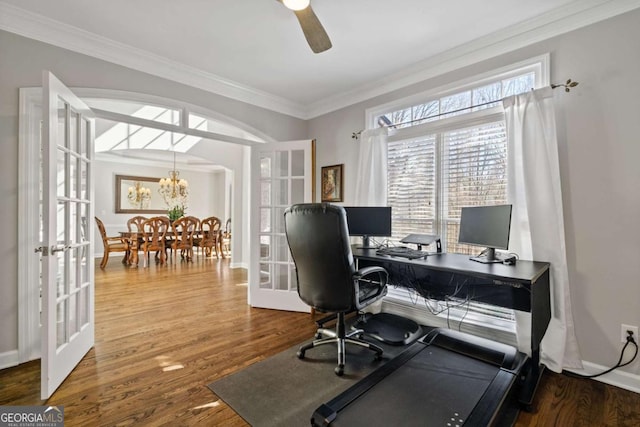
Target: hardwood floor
164	333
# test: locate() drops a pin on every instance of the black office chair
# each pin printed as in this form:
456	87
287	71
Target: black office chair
327	279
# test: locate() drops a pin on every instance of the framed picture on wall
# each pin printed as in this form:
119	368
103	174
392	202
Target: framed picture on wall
138	194
331	183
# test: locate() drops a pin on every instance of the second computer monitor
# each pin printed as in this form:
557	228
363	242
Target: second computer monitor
368	221
487	226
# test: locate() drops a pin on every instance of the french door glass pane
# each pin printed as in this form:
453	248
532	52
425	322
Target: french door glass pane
61	325
265	248
265	166
282	196
265	192
281	281
60	173
282	163
297	163
265	275
265	220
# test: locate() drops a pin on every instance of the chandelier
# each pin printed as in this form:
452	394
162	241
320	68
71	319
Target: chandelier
139	196
174	190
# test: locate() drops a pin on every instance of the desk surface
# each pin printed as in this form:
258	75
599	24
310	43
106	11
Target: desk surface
522	271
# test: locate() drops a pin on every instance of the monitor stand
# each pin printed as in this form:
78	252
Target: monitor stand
366	244
488	256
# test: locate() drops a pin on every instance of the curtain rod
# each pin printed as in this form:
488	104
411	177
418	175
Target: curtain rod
567	88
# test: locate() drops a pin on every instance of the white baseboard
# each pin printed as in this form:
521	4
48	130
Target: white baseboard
622	379
9	359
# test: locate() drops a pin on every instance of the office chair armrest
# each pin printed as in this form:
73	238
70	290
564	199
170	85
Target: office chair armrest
365	271
367	288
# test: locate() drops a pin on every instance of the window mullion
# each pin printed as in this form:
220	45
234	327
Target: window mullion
439	194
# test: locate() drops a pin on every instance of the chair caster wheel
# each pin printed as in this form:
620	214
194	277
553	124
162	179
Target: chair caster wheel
378	356
339	370
300	354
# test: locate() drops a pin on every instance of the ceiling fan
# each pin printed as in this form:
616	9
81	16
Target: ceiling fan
311	27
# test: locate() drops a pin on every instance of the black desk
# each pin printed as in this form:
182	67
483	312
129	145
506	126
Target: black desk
523	286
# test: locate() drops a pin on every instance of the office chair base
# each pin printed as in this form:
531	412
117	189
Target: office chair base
341	343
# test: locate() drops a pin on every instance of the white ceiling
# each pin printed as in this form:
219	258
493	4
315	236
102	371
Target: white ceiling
254	50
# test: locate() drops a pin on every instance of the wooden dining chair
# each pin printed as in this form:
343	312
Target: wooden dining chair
225	244
209	239
134	225
154	232
183	231
111	244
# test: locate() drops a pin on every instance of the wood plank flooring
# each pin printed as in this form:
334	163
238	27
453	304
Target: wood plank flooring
163	333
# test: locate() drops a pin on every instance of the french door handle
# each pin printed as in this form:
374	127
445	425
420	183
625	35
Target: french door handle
59	248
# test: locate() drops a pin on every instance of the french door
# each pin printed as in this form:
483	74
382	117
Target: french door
67	235
281	175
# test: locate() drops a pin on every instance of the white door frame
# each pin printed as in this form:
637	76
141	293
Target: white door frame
30	114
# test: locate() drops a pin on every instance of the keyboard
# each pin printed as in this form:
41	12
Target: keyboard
402	251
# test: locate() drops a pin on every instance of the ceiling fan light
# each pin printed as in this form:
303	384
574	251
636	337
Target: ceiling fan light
296	4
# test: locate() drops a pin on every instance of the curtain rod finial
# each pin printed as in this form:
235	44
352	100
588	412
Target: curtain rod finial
567	86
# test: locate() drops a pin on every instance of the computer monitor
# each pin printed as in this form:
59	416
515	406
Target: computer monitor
368	221
487	226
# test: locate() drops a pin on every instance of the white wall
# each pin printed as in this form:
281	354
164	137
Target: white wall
599	148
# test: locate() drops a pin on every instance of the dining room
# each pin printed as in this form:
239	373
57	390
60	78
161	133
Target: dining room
151	187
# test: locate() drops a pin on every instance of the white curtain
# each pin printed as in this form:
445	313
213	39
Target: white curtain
537	227
371	180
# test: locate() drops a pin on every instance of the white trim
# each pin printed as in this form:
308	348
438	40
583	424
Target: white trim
9	359
28	228
473	119
126	118
47	30
572	16
540	65
558	21
618	378
158	101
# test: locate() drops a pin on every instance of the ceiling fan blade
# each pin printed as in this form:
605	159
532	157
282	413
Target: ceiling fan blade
313	30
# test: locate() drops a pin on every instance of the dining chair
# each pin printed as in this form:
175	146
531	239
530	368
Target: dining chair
154	232
111	244
210	237
134	226
225	244
183	230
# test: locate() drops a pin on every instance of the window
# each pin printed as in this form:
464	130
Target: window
449	150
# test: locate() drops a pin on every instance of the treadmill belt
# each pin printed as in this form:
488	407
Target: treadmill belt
435	387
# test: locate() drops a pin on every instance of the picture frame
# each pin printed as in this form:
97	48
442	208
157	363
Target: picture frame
331	182
153	202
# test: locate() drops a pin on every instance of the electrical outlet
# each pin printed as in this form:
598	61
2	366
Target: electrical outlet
623	332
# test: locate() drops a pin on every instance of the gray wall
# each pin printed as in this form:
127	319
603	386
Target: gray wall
599	147
21	63
599	144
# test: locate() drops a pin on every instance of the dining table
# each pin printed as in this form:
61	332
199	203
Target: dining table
134	238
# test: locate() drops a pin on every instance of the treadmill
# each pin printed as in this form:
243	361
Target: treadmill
447	378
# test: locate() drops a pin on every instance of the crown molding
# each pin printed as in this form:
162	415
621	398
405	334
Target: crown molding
559	21
41	28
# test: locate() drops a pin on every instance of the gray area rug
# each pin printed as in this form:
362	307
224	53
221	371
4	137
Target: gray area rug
284	390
